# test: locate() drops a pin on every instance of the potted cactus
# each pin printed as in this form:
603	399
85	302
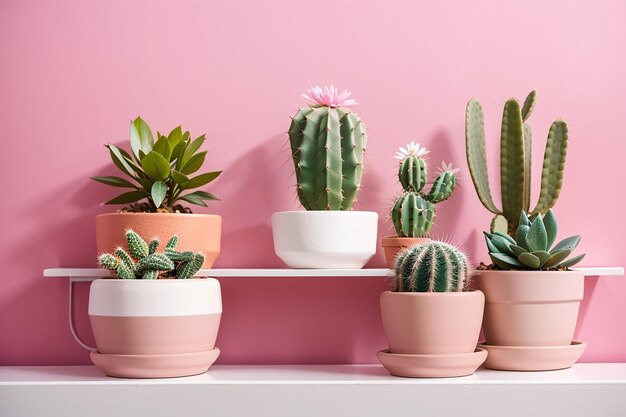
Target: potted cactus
414	210
155	320
328	143
159	177
431	318
532	299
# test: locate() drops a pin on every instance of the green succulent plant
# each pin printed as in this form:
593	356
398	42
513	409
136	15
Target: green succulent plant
515	162
159	172
431	267
414	210
143	262
532	247
328	143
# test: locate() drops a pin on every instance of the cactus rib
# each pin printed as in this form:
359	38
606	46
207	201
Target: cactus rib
553	166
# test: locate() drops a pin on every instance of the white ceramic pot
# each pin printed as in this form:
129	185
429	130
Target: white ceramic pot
155	328
325	239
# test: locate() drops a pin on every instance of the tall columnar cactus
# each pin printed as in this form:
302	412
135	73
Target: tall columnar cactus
414	211
515	162
144	262
328	142
431	267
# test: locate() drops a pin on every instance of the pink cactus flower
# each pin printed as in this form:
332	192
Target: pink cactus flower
329	96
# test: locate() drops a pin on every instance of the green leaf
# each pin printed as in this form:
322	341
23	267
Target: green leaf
176	151
523	219
191	149
543	257
537	237
114	181
140	137
193	200
556	257
518	250
520	236
201	180
155	166
158	192
506	237
490	246
129	197
203	195
529	260
163	147
571	262
569	243
194	164
504	261
119	160
551	227
175	136
502	244
179	178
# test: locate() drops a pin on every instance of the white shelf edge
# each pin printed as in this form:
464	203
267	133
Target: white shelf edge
90	274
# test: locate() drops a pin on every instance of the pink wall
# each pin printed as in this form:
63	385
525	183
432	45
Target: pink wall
73	73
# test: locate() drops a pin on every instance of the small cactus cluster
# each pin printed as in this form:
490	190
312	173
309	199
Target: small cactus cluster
143	262
328	143
532	246
515	162
431	267
414	211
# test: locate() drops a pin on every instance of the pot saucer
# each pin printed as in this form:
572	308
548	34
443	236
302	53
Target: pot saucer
432	366
533	358
155	366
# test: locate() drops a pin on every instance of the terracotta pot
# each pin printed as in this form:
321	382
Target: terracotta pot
530	308
325	239
393	245
432	323
196	232
162	321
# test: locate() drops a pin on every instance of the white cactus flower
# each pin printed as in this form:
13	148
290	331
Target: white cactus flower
412	149
449	168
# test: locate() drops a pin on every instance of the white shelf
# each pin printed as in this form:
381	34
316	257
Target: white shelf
313	390
90	274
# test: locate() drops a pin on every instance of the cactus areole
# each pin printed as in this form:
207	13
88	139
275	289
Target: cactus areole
328	143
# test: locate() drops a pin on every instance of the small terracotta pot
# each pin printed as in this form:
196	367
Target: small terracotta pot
393	245
196	232
530	308
143	328
432	323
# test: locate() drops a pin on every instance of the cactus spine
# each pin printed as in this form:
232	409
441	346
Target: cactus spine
431	267
328	142
144	262
515	162
414	211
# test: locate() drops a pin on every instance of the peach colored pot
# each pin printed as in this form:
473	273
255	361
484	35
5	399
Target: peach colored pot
196	232
530	308
137	320
432	323
393	245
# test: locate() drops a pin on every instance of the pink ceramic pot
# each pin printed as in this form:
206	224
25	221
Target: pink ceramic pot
196	232
530	308
393	245
432	323
136	320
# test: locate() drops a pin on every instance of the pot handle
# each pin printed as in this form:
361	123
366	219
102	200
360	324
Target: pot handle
71	321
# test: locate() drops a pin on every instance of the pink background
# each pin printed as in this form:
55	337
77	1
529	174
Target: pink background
73	73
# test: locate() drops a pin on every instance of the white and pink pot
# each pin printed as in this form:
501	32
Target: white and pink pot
155	328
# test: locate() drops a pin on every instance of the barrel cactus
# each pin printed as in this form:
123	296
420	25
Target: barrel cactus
515	162
532	246
143	262
414	211
431	267
328	142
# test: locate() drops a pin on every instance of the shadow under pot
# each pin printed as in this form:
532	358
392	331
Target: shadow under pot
325	239
196	232
527	315
155	328
432	334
